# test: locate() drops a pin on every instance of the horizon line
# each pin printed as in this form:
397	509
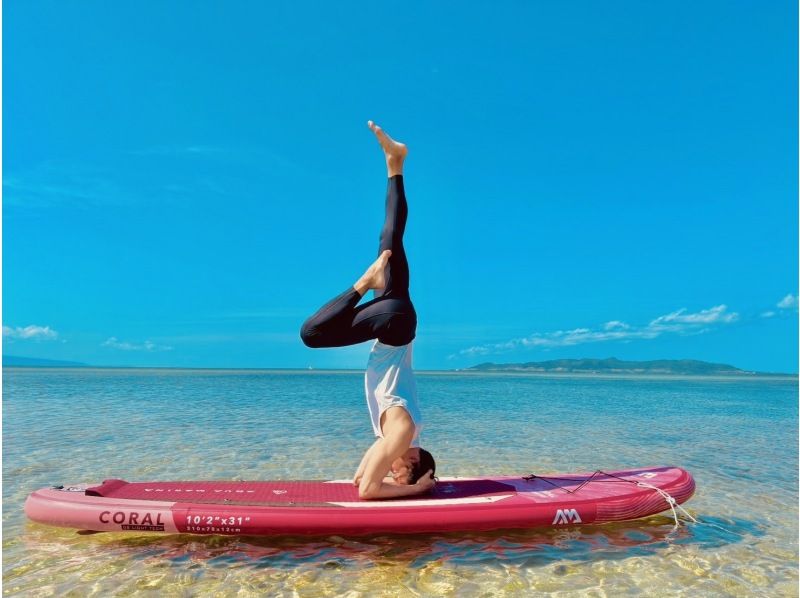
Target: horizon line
740	374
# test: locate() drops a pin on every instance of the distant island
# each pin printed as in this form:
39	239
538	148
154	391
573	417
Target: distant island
16	361
612	365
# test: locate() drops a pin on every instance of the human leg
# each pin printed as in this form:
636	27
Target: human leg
397	273
340	322
332	324
394	226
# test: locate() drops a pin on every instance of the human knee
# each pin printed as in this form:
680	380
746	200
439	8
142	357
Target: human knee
310	335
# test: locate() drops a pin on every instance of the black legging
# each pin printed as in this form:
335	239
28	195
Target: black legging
390	316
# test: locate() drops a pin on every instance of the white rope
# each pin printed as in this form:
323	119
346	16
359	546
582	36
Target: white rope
673	504
670	501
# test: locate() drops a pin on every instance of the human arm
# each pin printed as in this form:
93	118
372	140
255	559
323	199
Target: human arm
379	461
391	490
363	464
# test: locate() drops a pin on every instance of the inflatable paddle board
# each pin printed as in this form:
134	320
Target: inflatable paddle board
320	508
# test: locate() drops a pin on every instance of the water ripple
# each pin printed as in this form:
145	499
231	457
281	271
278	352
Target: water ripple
738	439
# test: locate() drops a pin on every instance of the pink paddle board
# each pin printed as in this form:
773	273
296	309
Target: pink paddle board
319	508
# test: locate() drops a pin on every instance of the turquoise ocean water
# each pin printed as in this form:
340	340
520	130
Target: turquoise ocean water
738	437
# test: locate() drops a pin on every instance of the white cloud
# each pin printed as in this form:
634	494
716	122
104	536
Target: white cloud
53	184
115	343
768	314
30	332
788	302
707	316
677	322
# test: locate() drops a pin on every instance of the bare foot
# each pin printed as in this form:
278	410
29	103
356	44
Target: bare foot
394	150
375	276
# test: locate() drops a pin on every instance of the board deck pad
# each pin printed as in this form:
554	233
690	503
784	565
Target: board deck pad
333	507
289	493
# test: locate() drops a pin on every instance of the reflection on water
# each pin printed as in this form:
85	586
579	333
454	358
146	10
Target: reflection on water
520	547
84	426
197	561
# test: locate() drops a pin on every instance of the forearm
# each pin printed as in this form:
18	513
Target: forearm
360	470
363	465
384	490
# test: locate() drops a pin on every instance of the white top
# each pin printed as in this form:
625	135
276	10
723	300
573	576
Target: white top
389	382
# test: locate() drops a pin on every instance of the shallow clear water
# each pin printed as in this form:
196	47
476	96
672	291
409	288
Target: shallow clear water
738	438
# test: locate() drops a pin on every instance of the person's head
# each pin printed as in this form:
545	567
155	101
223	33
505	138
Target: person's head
414	464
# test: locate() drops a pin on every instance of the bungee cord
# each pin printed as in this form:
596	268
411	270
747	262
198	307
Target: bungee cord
673	504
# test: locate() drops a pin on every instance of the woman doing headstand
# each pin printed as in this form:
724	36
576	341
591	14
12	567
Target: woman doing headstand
390	319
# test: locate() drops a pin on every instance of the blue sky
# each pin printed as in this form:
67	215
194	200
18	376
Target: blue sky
183	183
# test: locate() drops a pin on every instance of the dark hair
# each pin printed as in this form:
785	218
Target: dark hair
425	464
